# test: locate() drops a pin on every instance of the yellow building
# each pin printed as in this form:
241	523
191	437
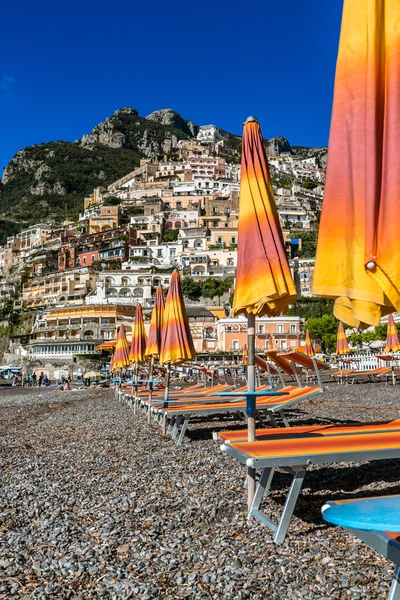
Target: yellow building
222	237
95	198
106	217
70	286
64	332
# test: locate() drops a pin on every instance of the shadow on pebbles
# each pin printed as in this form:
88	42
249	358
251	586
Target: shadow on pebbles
95	504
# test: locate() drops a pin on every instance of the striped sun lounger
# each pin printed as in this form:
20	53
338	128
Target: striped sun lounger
182	414
294	449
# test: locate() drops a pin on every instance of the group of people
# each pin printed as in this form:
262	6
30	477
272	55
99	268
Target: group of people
33	380
63	385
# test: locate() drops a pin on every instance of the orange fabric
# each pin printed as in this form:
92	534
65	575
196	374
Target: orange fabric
138	344
313	430
108	346
342	345
177	343
304	360
121	353
264	283
360	219
308	348
153	347
320	445
392	339
281	362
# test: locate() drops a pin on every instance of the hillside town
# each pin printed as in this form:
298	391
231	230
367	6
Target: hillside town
75	283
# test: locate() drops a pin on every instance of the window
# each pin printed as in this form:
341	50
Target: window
219	240
293	329
93	257
235	344
159	253
84	260
261	329
172	252
233	240
280	328
152	211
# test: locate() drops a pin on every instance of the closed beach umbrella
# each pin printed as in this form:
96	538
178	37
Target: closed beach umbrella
177	344
264	283
245	355
357	256
392	339
308	348
153	346
138	343
342	345
121	353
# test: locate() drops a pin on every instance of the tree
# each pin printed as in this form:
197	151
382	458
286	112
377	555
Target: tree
313	306
171	235
191	288
324	329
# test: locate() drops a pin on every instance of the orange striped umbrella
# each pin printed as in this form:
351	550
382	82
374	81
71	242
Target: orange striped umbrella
108	346
271	344
342	345
121	354
177	343
357	257
392	339
245	355
264	283
153	347
308	348
138	343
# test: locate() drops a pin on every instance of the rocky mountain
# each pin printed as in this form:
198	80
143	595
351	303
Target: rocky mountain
49	181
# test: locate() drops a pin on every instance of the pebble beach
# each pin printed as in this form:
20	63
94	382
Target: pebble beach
94	503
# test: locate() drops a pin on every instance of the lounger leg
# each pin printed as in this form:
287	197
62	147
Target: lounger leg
284	419
273	420
175	431
264	483
164	424
290	503
183	431
394	593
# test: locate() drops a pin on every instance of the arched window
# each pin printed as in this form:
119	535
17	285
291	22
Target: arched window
109	280
111	292
156	281
88	334
137	293
124	292
140	281
125	281
166	281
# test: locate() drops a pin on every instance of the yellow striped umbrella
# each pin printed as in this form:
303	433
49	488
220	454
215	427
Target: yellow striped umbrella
342	345
121	354
392	339
357	256
308	348
177	343
264	282
153	347
138	344
245	355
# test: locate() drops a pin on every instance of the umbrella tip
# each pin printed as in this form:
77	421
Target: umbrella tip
250	119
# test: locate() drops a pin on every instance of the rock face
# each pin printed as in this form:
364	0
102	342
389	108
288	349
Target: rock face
170	118
157	133
278	145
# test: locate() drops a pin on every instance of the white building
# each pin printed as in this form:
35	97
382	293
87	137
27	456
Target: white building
127	287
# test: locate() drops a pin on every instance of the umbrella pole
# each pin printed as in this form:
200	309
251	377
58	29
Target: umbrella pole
167	378
150	388
251	402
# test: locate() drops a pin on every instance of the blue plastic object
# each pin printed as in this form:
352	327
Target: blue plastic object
373	514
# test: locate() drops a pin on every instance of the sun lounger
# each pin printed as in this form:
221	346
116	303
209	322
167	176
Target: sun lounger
375	521
352	375
294	449
272	405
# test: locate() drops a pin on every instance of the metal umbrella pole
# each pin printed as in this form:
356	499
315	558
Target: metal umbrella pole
167	380
251	401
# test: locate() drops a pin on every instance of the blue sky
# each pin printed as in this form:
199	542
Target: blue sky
64	67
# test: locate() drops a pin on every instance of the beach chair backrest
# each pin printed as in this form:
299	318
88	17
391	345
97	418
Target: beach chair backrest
308	362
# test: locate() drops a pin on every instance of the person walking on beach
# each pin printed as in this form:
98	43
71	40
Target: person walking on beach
40	379
33	379
27	380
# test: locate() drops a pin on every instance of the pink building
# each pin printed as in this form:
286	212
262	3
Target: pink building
285	331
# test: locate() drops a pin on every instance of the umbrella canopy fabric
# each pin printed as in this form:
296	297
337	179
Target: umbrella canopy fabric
245	355
342	345
108	346
177	343
138	344
264	283
90	374
121	353
153	346
392	339
357	256
308	348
